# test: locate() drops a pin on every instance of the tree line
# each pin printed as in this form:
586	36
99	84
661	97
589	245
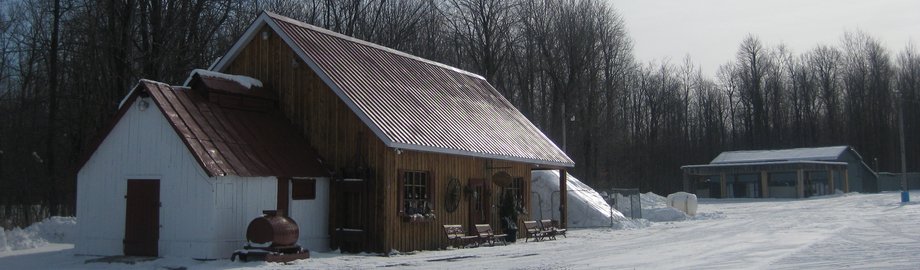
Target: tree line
567	65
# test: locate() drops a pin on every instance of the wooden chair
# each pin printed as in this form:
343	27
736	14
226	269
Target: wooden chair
486	235
533	231
456	236
549	225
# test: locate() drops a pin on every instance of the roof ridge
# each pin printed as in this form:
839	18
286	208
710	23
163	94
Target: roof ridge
785	149
369	44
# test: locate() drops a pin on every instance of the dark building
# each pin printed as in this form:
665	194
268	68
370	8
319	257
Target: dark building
784	173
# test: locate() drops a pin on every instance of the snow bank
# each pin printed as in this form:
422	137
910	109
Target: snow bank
652	200
586	207
663	214
655	208
53	230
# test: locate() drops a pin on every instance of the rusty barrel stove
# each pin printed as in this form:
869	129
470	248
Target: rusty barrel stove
273	228
272	237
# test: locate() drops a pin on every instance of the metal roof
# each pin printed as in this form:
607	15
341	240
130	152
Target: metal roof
763	163
817	154
228	135
748	167
410	102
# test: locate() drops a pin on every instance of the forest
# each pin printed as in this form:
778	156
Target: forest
568	65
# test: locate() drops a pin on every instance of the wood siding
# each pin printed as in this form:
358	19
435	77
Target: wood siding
333	130
344	142
443	167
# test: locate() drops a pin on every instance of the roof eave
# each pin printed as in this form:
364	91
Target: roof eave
565	164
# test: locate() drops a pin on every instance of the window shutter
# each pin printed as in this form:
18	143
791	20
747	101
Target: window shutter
303	189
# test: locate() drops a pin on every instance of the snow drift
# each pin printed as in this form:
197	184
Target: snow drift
53	230
655	208
586	207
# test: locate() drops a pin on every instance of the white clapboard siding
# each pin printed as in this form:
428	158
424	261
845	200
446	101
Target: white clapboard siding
237	202
196	221
312	217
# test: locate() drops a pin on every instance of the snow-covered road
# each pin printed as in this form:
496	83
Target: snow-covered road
869	231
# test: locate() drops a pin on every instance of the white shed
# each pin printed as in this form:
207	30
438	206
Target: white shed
183	170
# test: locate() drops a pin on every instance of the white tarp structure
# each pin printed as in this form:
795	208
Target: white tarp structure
586	207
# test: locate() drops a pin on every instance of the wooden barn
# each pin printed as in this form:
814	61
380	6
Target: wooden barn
391	147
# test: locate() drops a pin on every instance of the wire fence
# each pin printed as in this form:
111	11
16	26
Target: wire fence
626	200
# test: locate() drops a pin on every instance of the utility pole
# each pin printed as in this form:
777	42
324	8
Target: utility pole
564	119
905	195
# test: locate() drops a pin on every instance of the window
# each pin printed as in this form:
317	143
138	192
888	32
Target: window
517	188
303	189
415	193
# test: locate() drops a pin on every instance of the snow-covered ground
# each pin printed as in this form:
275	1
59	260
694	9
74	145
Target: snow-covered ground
869	231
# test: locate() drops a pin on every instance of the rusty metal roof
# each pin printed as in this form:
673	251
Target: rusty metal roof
410	102
230	132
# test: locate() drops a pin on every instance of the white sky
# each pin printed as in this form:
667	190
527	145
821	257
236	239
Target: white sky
710	31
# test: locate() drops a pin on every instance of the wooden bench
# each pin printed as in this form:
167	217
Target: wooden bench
549	225
456	236
534	231
486	235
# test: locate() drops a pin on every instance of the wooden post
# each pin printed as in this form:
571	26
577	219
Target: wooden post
687	183
830	181
846	180
282	196
800	183
764	185
722	189
563	199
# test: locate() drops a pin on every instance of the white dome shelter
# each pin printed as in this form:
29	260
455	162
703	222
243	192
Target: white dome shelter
586	207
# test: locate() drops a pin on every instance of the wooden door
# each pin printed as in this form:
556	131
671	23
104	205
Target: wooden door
350	211
480	202
142	218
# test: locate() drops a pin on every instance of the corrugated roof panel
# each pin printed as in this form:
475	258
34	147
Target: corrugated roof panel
418	103
231	141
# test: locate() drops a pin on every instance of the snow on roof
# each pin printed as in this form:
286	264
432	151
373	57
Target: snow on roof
245	81
763	163
797	154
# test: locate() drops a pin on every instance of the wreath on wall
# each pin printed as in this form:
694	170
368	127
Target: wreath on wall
452	200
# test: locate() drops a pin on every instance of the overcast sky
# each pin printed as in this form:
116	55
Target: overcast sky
710	31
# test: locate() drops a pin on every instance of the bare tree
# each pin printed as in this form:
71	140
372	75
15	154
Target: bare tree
824	64
867	82
908	87
753	62
484	28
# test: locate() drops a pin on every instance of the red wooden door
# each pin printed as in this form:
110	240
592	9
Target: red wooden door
142	218
480	202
